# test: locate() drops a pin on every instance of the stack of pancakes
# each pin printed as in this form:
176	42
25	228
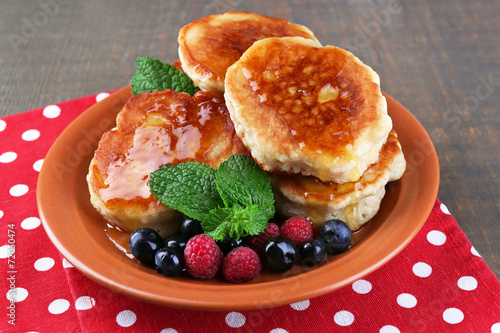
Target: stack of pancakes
312	116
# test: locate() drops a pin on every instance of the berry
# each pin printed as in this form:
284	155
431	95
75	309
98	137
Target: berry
280	253
168	262
312	252
177	242
229	243
202	257
336	235
297	229
143	244
242	264
191	227
257	242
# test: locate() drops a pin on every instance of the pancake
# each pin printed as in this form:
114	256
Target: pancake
302	108
153	129
208	46
355	202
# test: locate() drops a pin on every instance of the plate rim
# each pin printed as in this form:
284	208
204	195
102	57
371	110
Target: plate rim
177	298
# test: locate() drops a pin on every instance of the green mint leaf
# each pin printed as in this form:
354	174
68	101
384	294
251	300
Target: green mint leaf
152	75
240	181
217	223
235	221
187	187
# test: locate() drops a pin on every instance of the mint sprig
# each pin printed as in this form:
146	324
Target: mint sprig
152	75
236	199
235	220
187	187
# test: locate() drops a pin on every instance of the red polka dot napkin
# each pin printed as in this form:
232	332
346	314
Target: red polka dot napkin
438	283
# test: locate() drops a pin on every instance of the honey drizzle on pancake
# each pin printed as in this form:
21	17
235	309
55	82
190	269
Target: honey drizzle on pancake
314	99
170	134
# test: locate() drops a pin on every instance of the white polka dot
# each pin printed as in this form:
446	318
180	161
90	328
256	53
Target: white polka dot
84	303
474	251
3	124
101	96
300	306
6	250
278	330
126	318
44	264
444	209
467	283
453	316
51	111
58	306
168	330
495	328
67	264
362	286
436	237
1	214
8	157
389	329
18	190
407	300
421	269
30	135
235	319
343	318
37	166
17	294
30	223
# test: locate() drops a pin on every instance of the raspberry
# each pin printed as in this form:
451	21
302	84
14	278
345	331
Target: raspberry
257	242
297	229
241	265
202	257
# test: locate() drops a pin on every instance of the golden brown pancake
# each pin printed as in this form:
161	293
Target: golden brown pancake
355	202
153	129
302	108
208	46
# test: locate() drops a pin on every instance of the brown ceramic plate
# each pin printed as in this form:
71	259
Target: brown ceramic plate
78	231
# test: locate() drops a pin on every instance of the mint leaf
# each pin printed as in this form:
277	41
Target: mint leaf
240	181
152	75
235	221
234	200
187	187
255	219
217	223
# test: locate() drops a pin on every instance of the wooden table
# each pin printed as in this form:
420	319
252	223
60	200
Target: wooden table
439	58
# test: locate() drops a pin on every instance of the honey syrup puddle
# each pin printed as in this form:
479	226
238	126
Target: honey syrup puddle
119	238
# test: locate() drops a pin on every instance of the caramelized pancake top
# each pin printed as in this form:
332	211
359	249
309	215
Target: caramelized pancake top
208	46
310	92
153	129
318	104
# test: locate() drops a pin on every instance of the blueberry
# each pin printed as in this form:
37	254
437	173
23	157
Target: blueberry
312	252
143	244
336	235
169	262
191	227
280	253
229	243
177	242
